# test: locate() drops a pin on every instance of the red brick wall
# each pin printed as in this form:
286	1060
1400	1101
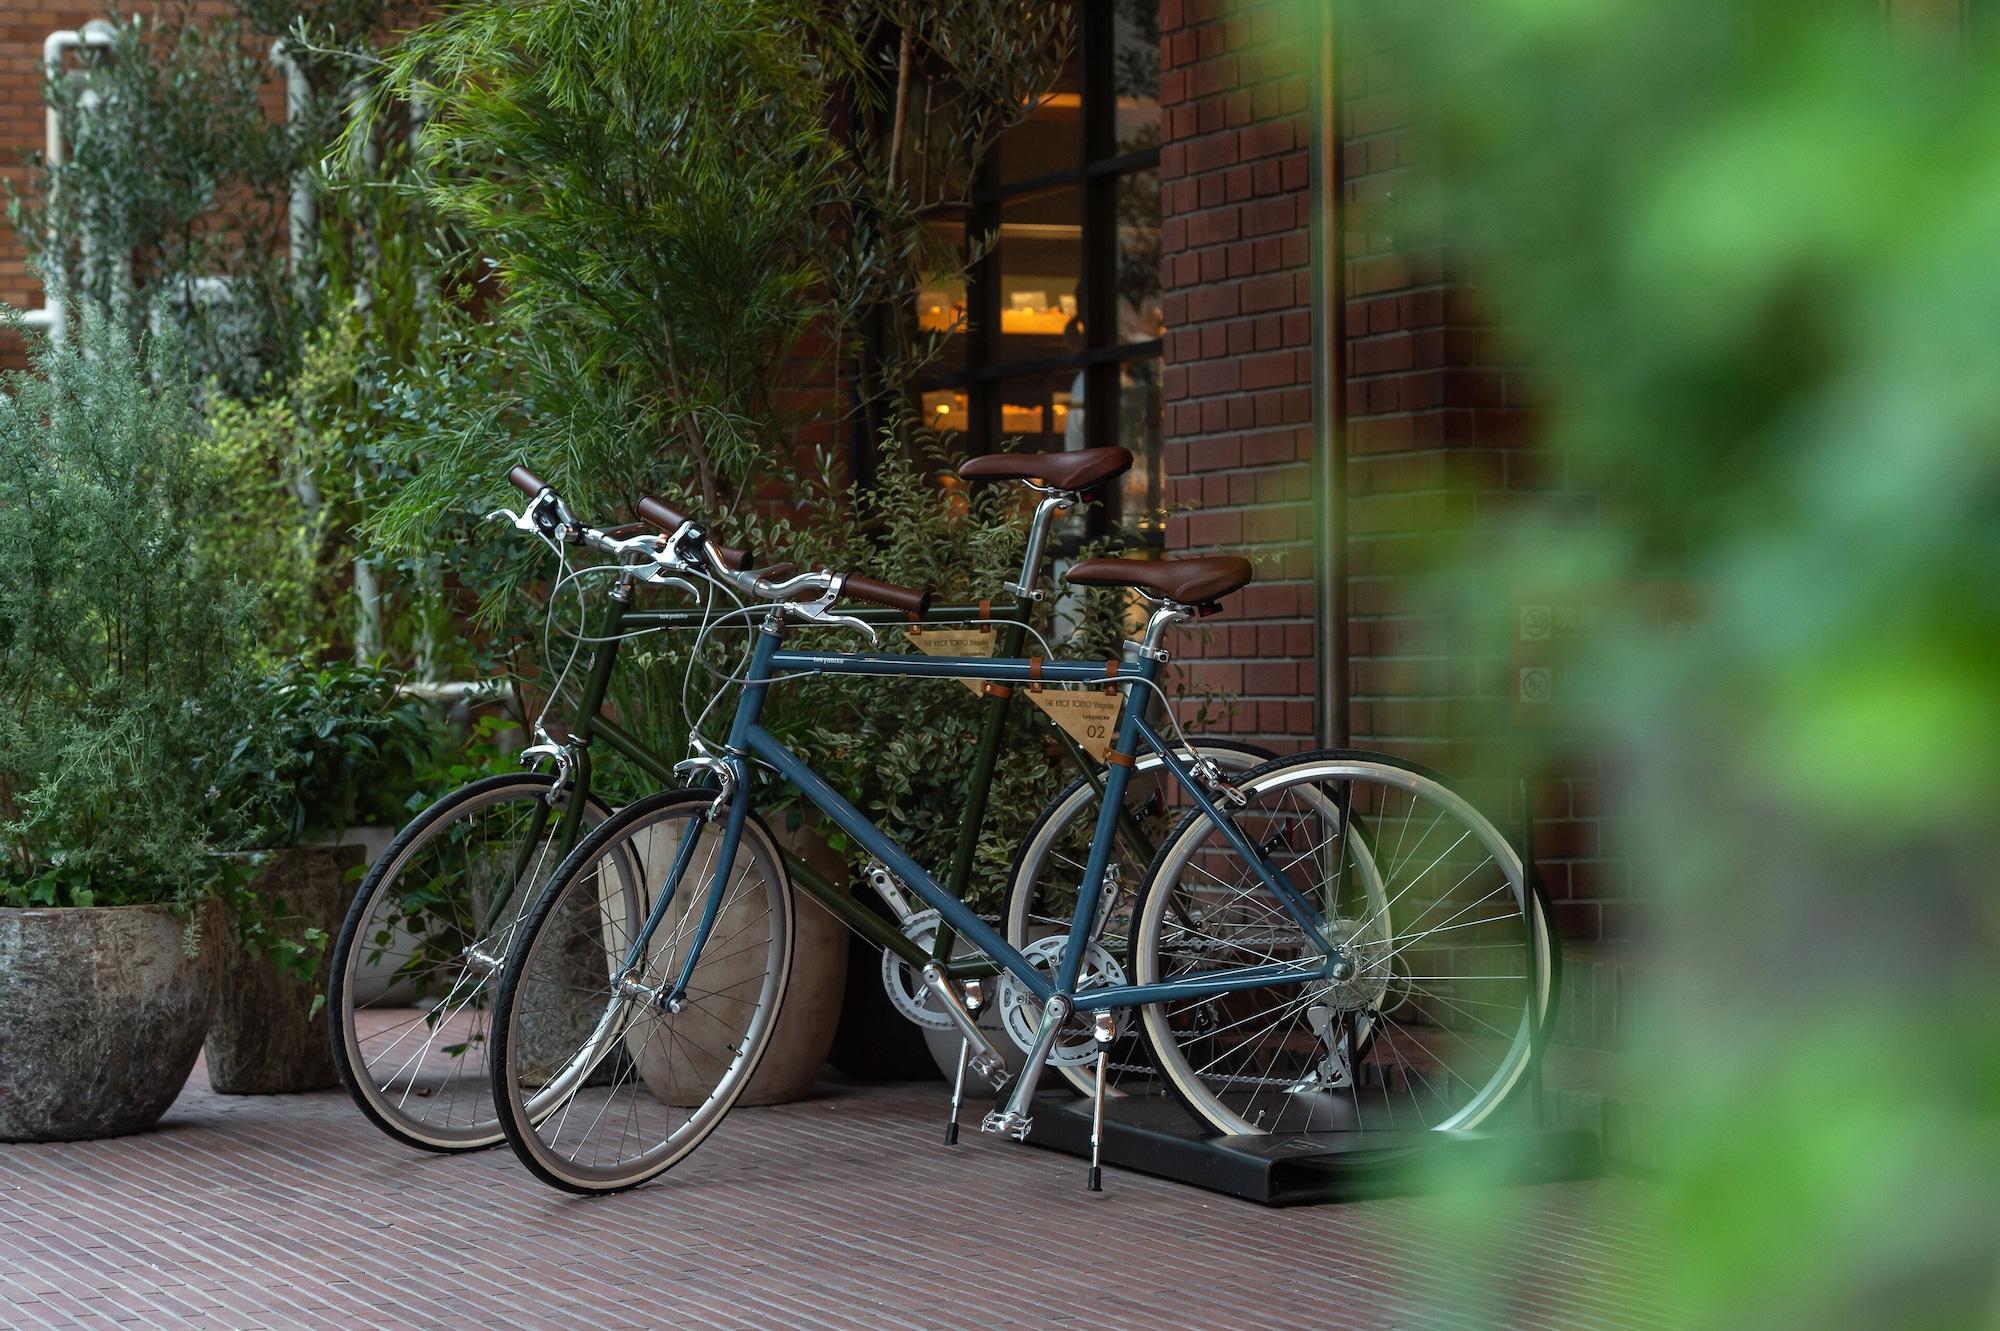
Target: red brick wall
1235	199
1439	433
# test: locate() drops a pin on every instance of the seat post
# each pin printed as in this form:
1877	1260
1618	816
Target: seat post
1165	615
1053	502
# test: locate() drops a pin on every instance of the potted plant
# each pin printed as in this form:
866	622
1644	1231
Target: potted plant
121	641
321	748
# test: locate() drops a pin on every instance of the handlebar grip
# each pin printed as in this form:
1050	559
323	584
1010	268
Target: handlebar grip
653	511
887	594
526	482
665	519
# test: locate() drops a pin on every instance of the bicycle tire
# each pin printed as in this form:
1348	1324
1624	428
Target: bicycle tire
343	1015
1270	1075
526	1103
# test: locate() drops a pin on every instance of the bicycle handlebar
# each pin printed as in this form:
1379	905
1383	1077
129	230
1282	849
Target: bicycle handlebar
666	520
859	586
733	565
887	594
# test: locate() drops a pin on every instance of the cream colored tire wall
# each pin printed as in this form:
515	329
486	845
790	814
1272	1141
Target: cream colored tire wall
1150	913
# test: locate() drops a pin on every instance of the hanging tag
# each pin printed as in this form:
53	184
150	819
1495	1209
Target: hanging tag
974	640
1089	716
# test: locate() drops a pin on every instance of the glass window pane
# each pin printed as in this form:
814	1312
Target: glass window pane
1051	138
945	410
941	307
1040	273
1038	414
1138	273
1135	73
1140	420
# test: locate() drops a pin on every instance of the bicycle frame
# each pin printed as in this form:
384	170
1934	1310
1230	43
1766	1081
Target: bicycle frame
748	740
592	725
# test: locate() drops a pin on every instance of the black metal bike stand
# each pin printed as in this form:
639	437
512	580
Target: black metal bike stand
1153	1135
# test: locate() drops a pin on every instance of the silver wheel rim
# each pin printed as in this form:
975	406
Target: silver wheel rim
641	1091
399	1040
1518	1033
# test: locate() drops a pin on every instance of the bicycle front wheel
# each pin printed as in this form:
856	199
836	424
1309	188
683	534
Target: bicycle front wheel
1426	999
606	1070
411	977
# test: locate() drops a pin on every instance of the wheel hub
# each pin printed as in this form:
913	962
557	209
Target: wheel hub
1358	975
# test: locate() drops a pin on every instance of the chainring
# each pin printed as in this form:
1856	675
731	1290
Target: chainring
1021	1011
908	993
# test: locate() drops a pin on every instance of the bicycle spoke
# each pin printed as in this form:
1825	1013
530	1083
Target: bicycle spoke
642	1091
1403	1029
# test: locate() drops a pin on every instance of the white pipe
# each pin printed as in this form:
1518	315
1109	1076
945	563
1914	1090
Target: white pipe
96	33
298	96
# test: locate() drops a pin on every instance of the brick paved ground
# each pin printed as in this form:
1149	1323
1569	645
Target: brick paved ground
843	1212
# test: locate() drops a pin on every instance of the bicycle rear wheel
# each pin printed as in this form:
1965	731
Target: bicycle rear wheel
601	1078
1431	1023
411	974
1041	895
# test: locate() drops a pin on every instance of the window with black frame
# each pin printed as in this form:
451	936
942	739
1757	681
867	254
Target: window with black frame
1061	315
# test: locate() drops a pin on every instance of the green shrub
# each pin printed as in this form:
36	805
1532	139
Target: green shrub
121	640
657	187
322	748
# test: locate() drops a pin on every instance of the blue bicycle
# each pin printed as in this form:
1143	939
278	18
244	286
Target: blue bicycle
1333	940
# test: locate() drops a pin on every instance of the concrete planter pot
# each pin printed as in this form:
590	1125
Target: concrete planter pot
804	1033
264	1039
102	1013
375	981
797	1052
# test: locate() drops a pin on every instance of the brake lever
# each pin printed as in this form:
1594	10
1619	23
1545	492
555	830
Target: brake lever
850	622
519	521
821	612
560	517
659	577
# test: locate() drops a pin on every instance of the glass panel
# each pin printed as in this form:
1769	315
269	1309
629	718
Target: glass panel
1139	316
1135	73
1038	414
1041	271
1140	418
945	410
941	307
1051	138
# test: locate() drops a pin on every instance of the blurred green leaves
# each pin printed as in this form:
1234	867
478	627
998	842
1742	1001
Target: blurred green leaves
1750	248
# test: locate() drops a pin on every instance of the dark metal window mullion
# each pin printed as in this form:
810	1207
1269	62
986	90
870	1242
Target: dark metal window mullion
1123	164
982	398
1100	247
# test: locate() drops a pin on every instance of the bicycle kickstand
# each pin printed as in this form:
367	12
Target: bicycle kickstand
975	997
1105	1029
957	1093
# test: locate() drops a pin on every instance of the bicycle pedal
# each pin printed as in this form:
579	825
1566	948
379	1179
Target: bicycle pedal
1007	1123
994	1069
